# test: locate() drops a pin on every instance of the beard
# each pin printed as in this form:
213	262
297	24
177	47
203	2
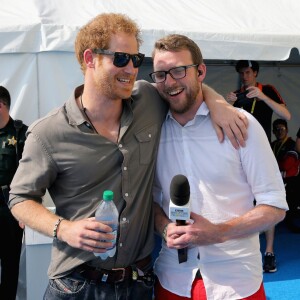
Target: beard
185	103
107	85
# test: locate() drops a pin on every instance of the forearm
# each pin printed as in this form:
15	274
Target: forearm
35	216
225	118
203	232
259	219
279	109
211	97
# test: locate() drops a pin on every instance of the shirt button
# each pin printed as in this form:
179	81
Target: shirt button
120	145
124	219
150	135
126	194
121	244
125	168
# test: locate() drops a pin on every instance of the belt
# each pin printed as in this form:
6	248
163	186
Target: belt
96	275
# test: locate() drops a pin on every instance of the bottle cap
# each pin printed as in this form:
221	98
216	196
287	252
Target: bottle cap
108	195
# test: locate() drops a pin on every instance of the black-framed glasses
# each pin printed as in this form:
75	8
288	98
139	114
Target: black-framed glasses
175	73
121	59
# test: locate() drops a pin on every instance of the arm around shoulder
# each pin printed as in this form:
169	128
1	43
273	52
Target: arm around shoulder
226	119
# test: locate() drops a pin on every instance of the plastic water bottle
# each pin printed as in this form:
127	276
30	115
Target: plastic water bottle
107	213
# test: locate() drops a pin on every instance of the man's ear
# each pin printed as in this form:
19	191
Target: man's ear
89	58
202	71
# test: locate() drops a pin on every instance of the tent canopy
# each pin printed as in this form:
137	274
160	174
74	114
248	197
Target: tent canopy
39	67
224	29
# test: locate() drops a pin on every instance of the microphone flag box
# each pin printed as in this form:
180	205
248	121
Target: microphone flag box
179	212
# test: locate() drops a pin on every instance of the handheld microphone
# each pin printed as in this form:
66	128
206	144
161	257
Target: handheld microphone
179	208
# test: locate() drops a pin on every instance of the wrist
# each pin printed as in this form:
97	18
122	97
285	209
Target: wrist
223	232
56	228
165	232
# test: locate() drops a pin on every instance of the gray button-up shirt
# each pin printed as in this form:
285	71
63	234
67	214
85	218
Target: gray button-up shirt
64	155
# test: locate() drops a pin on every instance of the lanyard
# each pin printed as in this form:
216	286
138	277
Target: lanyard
259	85
279	148
253	106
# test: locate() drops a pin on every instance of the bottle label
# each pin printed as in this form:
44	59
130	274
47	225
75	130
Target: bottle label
114	240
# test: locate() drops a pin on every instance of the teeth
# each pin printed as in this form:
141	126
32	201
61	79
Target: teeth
123	80
175	92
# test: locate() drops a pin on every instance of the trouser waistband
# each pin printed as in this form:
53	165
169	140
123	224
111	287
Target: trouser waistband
132	272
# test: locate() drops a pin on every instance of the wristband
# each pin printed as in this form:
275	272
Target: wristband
164	233
56	227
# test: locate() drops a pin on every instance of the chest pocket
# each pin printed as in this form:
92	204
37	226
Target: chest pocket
147	139
8	158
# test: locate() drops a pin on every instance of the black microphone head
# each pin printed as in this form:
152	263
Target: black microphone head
180	190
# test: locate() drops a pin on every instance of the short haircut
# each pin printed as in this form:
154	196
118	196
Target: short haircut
98	32
247	63
5	96
280	122
176	43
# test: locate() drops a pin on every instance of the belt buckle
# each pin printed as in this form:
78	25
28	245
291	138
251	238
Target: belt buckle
123	273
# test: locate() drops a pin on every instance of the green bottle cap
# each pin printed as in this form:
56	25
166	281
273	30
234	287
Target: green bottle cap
108	195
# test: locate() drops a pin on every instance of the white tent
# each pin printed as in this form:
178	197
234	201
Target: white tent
39	68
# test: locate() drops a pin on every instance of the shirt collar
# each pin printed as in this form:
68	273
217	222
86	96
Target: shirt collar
74	113
202	111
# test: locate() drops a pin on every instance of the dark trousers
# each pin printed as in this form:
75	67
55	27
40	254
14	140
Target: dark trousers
10	250
292	187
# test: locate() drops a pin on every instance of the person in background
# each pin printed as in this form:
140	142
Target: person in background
224	258
284	149
260	100
105	137
12	137
298	141
288	160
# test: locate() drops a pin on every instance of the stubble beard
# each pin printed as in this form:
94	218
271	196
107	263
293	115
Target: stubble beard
187	103
106	86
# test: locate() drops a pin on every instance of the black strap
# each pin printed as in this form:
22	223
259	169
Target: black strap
18	125
4	194
182	255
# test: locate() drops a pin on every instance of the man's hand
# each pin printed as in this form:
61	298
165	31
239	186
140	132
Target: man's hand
231	97
255	92
87	234
225	118
228	120
21	225
201	232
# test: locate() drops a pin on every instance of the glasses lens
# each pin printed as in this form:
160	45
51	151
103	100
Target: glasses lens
137	60
158	76
279	129
178	73
121	59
